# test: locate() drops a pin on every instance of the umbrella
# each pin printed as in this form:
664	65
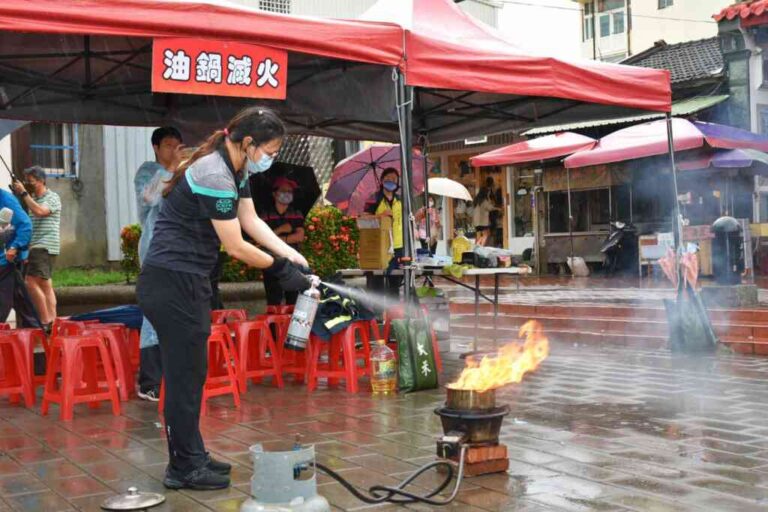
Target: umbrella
650	139
534	150
304	197
448	188
725	159
356	178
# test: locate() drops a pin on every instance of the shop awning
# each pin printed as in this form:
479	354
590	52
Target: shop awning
680	108
650	139
534	150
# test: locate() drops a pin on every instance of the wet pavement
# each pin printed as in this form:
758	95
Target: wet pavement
604	429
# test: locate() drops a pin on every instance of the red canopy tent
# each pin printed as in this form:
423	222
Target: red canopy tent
437	74
534	150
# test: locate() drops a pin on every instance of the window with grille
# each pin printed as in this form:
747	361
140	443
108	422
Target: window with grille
665	3
279	6
54	147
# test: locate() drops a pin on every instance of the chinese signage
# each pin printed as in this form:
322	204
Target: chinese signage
218	68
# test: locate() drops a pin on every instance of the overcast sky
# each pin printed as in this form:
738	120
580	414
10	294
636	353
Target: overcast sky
547	26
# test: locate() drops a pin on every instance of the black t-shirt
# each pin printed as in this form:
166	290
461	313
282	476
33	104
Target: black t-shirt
184	238
291	216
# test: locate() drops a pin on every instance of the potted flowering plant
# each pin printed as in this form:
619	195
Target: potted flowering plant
330	241
129	245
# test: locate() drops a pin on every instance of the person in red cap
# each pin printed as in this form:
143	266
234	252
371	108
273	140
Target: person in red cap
288	224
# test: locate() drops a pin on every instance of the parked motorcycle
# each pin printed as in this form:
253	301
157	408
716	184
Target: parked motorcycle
621	250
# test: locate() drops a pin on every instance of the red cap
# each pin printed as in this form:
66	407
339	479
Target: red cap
282	181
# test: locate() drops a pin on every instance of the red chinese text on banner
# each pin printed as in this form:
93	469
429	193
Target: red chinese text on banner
218	68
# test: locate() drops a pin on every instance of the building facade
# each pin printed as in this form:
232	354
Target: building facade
612	30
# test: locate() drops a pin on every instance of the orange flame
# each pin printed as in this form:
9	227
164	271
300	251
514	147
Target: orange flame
509	366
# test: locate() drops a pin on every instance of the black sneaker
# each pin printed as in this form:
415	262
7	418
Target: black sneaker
200	479
152	395
217	466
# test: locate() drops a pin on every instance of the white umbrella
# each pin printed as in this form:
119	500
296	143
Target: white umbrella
448	188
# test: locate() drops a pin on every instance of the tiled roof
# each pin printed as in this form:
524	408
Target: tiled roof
743	10
691	60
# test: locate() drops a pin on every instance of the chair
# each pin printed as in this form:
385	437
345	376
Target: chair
64	327
398	313
280	310
221	378
116	338
77	359
15	380
221	316
259	355
342	357
29	339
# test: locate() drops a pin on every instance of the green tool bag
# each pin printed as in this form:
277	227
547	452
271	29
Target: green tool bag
416	359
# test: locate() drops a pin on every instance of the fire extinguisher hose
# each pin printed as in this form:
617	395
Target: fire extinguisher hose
398	494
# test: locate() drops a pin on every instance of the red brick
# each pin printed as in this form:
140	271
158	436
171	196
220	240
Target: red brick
479	454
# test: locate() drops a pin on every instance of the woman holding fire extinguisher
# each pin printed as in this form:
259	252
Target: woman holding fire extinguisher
207	204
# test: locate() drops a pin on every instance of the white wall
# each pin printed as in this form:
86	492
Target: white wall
551	27
125	149
685	20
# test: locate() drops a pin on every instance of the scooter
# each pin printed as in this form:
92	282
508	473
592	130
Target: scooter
620	249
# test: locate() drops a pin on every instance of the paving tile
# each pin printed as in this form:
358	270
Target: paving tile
40	501
77	487
26	483
112	470
54	470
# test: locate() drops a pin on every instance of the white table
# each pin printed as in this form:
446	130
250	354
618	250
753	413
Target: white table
438	272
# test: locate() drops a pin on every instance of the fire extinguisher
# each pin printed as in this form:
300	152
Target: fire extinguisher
303	317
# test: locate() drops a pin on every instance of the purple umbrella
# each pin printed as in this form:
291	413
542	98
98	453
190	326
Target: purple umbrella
356	178
724	159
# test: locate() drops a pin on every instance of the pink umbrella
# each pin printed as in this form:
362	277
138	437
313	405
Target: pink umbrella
650	139
356	178
542	148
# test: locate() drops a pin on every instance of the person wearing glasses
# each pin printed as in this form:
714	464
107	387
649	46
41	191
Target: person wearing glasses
207	204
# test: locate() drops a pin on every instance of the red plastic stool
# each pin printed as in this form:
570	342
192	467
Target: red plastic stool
342	357
398	313
77	358
292	362
221	378
222	316
116	338
229	330
64	327
15	380
4	326
254	340
134	349
283	309
29	339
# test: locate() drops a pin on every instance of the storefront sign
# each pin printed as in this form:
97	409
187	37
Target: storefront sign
218	68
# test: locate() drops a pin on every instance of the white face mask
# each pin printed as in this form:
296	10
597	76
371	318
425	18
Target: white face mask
284	197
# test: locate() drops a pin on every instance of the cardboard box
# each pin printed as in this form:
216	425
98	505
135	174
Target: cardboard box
375	242
759	229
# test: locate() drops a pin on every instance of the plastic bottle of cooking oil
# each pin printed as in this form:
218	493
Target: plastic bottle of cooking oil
383	369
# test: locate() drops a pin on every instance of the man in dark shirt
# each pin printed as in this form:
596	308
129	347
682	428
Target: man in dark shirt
288	224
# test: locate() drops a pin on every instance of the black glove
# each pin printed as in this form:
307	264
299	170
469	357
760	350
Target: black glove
290	277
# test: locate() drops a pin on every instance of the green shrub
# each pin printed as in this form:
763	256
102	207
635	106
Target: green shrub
129	245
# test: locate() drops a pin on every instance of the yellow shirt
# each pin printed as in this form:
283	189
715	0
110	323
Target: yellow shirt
397	219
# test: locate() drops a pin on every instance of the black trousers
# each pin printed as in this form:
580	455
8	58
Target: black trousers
150	368
216	302
178	305
13	294
276	294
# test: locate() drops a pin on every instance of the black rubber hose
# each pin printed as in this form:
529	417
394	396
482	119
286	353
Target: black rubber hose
398	495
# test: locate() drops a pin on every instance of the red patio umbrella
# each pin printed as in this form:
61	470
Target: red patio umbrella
541	148
650	139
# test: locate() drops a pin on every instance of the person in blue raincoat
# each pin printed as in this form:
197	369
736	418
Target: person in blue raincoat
149	182
14	250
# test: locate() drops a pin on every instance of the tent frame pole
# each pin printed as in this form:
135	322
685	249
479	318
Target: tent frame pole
404	97
570	215
676	225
